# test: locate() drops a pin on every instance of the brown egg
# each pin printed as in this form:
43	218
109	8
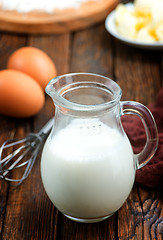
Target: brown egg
20	95
33	62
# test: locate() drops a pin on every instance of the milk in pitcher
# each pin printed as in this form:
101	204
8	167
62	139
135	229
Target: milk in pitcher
87	169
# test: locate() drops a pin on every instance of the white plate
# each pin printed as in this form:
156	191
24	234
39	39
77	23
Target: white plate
111	28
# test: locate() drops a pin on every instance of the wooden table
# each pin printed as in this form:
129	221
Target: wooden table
25	211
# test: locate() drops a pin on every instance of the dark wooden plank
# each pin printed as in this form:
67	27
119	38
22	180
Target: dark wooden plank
151	201
4	187
130	218
78	231
138	72
29	212
92	51
8	43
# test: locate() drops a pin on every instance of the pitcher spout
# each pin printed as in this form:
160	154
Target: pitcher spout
50	88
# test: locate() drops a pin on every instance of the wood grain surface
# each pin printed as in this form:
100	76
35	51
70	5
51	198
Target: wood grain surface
58	21
26	213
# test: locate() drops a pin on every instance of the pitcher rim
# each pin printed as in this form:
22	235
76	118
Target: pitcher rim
61	101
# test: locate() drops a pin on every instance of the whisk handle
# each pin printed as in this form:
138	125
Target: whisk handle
47	127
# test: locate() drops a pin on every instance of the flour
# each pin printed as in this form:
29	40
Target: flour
48	6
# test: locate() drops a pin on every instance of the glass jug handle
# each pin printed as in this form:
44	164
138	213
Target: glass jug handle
131	107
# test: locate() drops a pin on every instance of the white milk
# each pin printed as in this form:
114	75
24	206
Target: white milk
87	169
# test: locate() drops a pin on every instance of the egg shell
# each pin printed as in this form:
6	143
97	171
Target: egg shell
34	62
20	95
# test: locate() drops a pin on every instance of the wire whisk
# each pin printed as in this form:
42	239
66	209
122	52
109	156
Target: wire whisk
21	154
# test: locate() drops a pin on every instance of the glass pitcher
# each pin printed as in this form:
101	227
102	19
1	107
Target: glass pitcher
87	164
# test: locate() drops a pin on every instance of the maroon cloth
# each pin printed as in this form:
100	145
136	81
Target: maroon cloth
151	175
